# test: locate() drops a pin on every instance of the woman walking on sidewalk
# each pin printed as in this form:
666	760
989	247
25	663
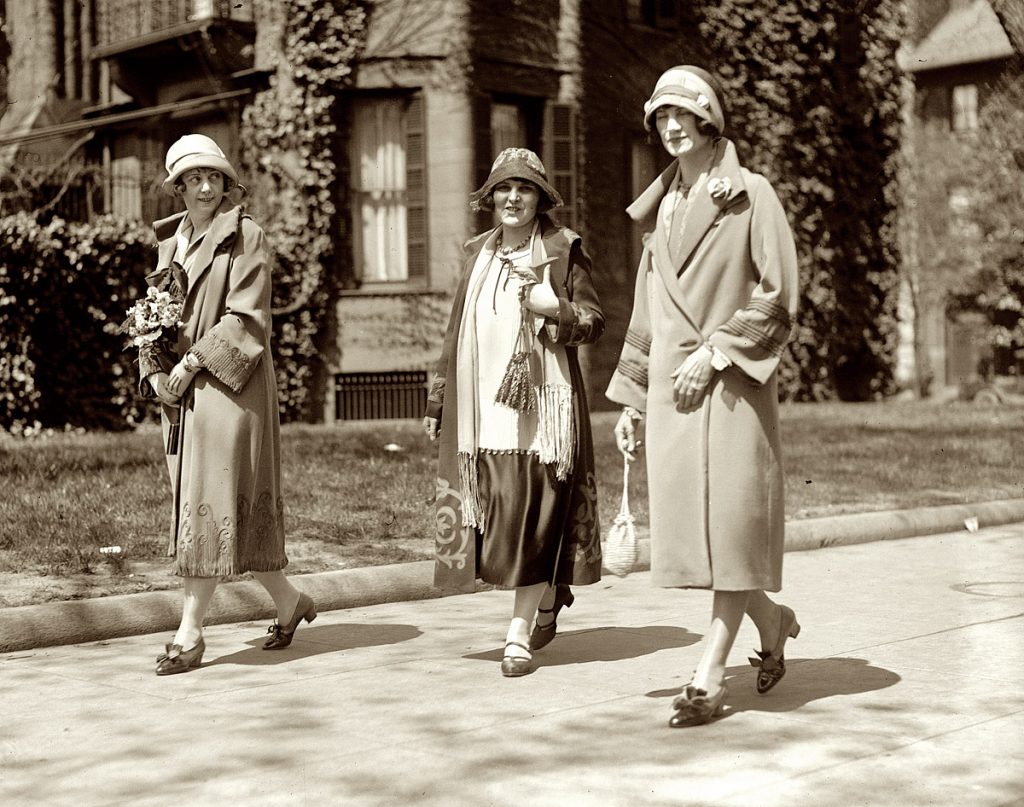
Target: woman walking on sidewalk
219	400
716	297
516	498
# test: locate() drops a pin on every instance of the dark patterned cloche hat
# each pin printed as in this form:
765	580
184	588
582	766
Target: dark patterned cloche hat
515	163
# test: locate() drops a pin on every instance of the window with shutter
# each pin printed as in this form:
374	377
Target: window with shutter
416	187
643	170
389	189
560	160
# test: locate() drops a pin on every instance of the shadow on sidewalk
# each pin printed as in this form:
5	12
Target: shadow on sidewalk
806	681
603	644
315	641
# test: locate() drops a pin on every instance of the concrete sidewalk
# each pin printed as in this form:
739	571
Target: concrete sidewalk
97	618
904	688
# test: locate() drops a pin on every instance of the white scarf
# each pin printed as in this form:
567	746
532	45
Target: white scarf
556	425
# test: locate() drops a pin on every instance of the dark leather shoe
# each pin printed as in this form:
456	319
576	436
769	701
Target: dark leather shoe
516	666
694	707
771	664
174	660
281	635
543	634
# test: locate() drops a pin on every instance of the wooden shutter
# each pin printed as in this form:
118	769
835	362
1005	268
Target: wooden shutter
560	160
416	188
482	156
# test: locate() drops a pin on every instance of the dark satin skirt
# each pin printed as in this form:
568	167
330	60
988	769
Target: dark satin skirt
526	512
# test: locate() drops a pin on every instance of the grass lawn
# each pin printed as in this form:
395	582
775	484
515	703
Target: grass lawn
350	502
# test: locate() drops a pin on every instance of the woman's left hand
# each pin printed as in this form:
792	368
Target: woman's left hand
691	378
540	298
180	377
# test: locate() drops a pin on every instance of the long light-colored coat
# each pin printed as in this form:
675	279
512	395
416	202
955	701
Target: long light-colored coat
714	471
228	514
580	321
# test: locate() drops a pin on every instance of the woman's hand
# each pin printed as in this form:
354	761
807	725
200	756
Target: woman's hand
540	298
180	377
158	381
691	378
625	433
430	425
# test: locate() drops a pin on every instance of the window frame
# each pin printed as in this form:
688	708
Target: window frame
416	225
963	108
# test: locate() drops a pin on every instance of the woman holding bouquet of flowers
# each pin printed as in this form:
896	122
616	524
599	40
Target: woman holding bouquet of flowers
215	380
516	501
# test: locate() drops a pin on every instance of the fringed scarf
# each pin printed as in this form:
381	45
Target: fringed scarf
556	436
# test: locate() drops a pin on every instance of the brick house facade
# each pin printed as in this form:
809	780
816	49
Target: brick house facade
441	87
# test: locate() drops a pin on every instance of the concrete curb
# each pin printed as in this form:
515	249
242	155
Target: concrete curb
77	621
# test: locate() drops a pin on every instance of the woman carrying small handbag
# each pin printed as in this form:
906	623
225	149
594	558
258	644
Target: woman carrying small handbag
516	497
716	297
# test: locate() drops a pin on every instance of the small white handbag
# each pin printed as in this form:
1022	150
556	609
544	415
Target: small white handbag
621	549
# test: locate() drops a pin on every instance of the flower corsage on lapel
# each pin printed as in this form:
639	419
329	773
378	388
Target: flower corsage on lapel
719	188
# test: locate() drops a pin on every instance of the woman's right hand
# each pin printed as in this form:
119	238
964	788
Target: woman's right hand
430	426
158	381
625	434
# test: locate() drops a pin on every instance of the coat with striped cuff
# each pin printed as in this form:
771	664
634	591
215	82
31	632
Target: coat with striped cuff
726	276
228	512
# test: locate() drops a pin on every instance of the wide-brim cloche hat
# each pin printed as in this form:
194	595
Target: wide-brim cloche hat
195	151
690	88
515	163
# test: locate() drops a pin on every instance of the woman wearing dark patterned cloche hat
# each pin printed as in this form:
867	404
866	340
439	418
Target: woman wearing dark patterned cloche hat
516	500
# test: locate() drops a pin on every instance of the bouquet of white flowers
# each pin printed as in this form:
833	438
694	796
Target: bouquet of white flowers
152	318
152	326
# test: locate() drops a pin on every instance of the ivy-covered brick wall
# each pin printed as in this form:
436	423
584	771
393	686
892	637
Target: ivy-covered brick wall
812	97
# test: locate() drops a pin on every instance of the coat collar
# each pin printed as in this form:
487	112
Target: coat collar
724	164
704	208
223	227
554	243
704	211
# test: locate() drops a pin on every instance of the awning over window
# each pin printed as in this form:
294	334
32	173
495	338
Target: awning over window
87	124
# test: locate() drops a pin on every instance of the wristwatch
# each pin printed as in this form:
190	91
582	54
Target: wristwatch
719	361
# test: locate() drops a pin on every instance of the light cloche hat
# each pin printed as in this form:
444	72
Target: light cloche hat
690	88
195	151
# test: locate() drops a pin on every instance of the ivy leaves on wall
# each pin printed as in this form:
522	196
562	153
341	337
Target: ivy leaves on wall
813	102
292	136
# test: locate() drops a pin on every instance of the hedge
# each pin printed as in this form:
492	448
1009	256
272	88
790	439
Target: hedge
64	289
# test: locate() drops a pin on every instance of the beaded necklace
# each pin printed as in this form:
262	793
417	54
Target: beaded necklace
504	254
509	250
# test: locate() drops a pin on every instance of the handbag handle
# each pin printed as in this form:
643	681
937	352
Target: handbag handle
625	487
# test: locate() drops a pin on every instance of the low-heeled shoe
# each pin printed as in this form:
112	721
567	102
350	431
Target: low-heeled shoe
543	634
174	660
281	635
694	707
516	666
